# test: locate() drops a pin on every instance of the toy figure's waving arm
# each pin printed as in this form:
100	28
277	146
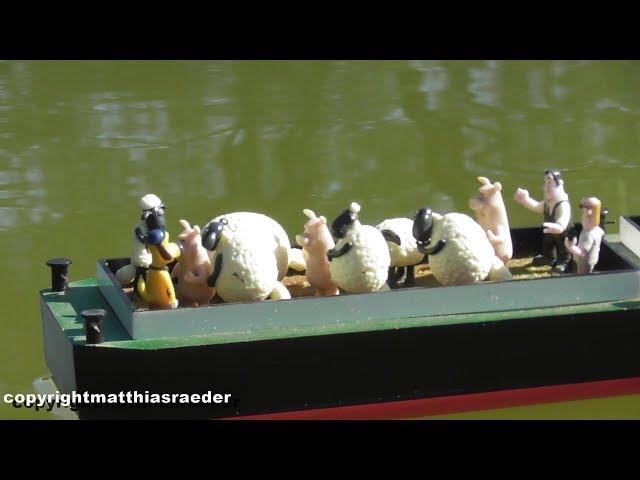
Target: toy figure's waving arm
561	224
572	247
522	197
582	249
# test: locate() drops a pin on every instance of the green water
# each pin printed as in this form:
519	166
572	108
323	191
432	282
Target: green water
80	142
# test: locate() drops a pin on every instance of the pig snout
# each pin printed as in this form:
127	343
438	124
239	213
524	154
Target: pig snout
313	242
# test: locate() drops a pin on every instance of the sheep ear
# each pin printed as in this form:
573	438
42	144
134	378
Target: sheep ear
309	213
197	229
484	180
184	224
323	219
391	236
498	186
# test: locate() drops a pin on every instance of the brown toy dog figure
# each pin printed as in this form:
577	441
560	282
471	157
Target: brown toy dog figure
193	269
315	242
491	214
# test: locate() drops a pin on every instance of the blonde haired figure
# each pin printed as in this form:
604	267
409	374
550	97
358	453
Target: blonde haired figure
586	249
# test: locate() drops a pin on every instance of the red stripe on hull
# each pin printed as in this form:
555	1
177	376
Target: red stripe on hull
462	403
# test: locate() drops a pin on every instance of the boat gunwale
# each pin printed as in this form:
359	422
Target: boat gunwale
373	325
421	305
363	325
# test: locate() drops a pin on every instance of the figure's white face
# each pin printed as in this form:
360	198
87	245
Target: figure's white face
549	185
587	212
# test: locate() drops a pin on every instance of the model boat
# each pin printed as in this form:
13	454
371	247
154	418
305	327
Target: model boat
409	352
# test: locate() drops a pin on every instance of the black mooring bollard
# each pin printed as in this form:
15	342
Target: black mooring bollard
93	325
59	273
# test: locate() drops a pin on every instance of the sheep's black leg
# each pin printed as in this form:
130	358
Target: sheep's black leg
392	278
140	272
410	279
139	235
433	250
333	253
213	278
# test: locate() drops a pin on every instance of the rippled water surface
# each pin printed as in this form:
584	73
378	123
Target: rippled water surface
80	142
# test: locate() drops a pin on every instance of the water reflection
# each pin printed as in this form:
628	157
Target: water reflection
267	133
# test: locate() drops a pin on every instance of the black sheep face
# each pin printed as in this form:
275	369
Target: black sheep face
343	222
422	228
154	218
211	234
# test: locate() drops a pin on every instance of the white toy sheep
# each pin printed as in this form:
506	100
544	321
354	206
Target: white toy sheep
360	260
403	249
152	208
458	250
244	266
271	233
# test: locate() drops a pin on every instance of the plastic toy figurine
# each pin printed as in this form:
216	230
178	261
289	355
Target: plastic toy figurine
244	265
360	260
458	249
557	218
403	250
315	242
271	233
491	214
150	230
586	248
157	288
193	269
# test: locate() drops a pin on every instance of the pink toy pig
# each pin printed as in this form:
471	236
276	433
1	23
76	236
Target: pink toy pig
193	269
491	214
315	242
